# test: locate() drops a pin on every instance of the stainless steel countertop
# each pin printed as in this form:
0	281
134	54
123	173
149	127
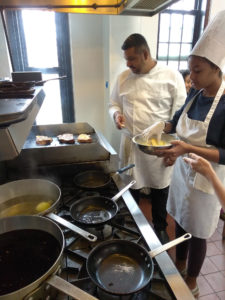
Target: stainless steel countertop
173	277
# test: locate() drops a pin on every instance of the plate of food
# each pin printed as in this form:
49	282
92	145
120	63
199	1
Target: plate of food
148	146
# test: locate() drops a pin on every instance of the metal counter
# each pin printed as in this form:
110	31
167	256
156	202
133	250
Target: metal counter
173	277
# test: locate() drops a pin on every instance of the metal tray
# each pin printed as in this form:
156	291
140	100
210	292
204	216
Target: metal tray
57	153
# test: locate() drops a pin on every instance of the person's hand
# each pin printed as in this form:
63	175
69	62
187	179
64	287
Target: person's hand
155	129
198	164
179	148
169	161
119	120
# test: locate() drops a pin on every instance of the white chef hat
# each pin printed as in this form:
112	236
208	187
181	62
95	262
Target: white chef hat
211	44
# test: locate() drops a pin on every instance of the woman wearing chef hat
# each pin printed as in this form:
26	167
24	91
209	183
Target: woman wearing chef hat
200	126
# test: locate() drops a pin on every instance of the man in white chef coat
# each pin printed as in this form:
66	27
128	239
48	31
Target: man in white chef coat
144	94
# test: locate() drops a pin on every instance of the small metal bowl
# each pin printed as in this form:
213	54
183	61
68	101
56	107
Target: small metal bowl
149	149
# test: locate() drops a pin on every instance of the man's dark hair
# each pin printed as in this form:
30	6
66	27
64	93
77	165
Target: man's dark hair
137	41
184	73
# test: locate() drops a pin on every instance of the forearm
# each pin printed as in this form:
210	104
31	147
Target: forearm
217	185
207	153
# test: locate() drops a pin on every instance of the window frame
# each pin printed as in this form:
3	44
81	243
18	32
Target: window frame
199	16
15	36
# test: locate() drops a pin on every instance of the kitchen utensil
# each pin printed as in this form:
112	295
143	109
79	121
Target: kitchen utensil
145	147
29	264
21	197
122	267
12	87
96	210
94	179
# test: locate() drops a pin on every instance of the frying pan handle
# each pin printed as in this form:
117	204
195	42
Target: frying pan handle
117	196
169	245
44	81
85	234
68	288
121	170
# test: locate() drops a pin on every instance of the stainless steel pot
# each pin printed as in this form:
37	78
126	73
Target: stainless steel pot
35	187
48	278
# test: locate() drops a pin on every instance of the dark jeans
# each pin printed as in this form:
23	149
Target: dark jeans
193	249
158	199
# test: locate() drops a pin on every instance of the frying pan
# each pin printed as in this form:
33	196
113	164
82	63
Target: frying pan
96	210
94	179
33	261
122	267
21	197
16	86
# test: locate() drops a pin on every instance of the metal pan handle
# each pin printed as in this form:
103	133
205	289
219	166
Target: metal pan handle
68	288
169	245
117	196
44	81
120	171
76	229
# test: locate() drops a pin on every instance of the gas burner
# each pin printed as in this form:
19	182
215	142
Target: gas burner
102	295
102	232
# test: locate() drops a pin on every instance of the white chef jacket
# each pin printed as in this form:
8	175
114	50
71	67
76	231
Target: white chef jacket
144	99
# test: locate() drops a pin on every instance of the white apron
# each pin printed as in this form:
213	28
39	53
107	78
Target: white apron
149	170
192	201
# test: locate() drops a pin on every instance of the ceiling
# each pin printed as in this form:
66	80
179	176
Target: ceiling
114	7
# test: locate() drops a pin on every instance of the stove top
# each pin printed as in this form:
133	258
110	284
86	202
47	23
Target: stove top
77	249
128	224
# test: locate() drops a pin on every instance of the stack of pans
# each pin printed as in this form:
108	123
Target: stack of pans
9	89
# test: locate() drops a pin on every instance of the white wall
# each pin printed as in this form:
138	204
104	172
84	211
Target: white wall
87	51
5	69
216	6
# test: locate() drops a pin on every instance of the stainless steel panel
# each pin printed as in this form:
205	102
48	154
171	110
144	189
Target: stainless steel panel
173	277
14	128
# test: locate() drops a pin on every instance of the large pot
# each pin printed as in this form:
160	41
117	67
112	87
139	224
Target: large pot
122	267
50	239
21	197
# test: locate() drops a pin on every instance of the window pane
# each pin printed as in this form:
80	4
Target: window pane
173	64
51	111
41	43
174	50
185	49
202	24
204	3
176	27
183	65
163	50
162	63
183	5
188	29
164	28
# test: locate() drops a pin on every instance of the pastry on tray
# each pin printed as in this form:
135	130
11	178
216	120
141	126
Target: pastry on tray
43	140
84	138
66	138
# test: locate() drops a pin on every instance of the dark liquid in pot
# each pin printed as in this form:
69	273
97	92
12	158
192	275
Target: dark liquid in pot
25	255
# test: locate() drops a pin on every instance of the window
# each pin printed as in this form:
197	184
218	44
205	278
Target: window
39	41
180	26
